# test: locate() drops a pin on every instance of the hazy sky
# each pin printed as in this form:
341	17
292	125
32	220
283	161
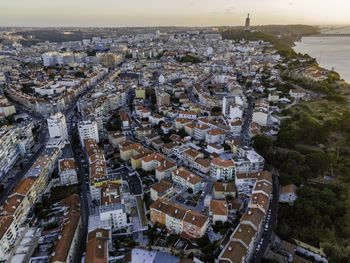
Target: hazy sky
171	12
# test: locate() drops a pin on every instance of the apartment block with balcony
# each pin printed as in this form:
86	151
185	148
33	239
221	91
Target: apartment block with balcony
179	219
9	149
222	169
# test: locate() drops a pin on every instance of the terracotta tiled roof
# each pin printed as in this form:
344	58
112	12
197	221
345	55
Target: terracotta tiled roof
222	163
161	186
224	187
218	207
97	246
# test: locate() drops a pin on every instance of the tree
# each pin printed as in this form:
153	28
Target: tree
216	110
182	133
189	59
190	190
262	143
52	76
229	198
79	74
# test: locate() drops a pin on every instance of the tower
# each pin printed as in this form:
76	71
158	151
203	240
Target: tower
247	23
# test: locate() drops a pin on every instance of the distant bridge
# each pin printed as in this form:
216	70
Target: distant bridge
331	35
336	30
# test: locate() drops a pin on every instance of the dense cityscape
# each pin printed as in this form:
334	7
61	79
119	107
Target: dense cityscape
154	146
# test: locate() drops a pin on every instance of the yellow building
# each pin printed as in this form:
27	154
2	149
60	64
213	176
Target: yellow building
140	93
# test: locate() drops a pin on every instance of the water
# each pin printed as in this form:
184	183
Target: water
330	52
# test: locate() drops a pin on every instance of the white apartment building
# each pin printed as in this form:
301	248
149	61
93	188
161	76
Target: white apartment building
88	130
54	58
9	150
67	171
8	239
215	136
232	107
261	112
187	179
57	126
222	169
260	116
250	161
112	208
200	131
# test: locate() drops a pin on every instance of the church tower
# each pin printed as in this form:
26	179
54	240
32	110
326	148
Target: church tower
247	23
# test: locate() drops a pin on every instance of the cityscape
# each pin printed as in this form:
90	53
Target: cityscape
173	144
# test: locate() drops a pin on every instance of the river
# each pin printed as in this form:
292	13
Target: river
330	52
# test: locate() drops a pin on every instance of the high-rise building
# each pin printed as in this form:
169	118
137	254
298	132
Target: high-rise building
247	23
9	150
88	130
57	126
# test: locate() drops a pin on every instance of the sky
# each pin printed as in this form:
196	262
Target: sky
171	12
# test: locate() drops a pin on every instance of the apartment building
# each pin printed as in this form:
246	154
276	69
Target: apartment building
116	138
248	160
200	132
57	126
9	150
163	99
134	152
158	162
180	123
112	206
218	210
222	189
232	107
69	235
186	179
97	246
88	130
97	167
161	189
236	127
261	113
246	181
67	170
188	115
215	136
9	231
222	169
178	219
16	207
240	247
190	155
6	108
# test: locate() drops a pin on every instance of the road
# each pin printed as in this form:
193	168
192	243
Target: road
11	183
70	112
273	221
84	206
247	119
79	156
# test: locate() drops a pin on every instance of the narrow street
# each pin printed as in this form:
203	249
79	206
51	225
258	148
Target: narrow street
273	221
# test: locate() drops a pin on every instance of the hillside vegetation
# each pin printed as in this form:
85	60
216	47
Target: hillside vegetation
312	150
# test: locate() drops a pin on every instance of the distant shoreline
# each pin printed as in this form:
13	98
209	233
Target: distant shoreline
329	35
327	61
